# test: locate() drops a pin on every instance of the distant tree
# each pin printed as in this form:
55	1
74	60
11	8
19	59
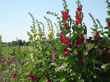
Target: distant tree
20	43
24	42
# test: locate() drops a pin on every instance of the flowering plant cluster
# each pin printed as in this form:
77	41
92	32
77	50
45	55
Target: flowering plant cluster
71	56
68	56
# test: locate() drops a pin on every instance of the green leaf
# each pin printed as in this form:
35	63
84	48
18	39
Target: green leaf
42	79
24	68
63	21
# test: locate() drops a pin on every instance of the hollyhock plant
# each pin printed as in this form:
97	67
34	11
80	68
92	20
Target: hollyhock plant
77	19
65	14
79	15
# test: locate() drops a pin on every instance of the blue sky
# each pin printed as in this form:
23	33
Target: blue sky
15	21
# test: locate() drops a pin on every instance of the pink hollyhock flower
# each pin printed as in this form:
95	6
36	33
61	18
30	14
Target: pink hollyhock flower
53	56
2	60
65	51
9	58
29	74
33	77
14	76
48	80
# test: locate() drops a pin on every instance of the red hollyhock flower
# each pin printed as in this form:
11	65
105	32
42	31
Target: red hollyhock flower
14	76
63	39
65	14
80	16
95	36
65	51
80	37
64	17
77	23
108	24
79	9
60	36
77	43
69	42
77	19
